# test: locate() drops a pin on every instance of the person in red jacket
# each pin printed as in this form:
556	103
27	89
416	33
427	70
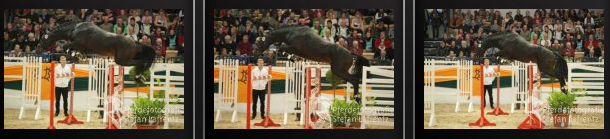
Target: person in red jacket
590	43
381	44
245	47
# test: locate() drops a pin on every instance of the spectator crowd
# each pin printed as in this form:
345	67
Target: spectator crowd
162	29
357	30
564	31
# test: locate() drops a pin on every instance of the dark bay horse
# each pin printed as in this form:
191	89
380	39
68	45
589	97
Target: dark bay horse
87	37
301	41
514	47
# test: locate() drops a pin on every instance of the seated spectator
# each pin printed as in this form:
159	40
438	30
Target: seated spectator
119	25
28	49
329	26
16	52
145	40
546	42
590	53
567	50
58	49
172	39
579	42
590	43
318	27
305	19
107	26
382	59
159	47
328	37
161	20
228	44
158	35
224	54
132	34
147	28
357	22
535	40
525	32
245	46
119	31
133	25
343	30
290	20
443	50
341	42
368	39
556	47
451	56
7	42
239	56
461	55
381	44
355	48
453	47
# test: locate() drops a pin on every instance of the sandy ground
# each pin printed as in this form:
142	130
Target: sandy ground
225	123
448	119
11	121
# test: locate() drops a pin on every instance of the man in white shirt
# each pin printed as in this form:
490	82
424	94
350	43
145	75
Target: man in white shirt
260	77
489	78
63	75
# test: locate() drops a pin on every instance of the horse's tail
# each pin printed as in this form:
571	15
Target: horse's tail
60	32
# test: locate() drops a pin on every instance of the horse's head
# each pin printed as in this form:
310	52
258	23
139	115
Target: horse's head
262	44
44	43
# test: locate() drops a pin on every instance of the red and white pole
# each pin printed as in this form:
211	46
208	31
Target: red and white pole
52	86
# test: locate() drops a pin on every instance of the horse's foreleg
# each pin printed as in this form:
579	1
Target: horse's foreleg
562	83
351	79
139	65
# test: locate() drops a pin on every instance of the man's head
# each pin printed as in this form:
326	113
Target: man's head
159	42
17	47
130	30
132	21
451	53
227	39
119	20
486	62
260	62
382	53
119	30
355	44
224	51
31	36
245	39
62	60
